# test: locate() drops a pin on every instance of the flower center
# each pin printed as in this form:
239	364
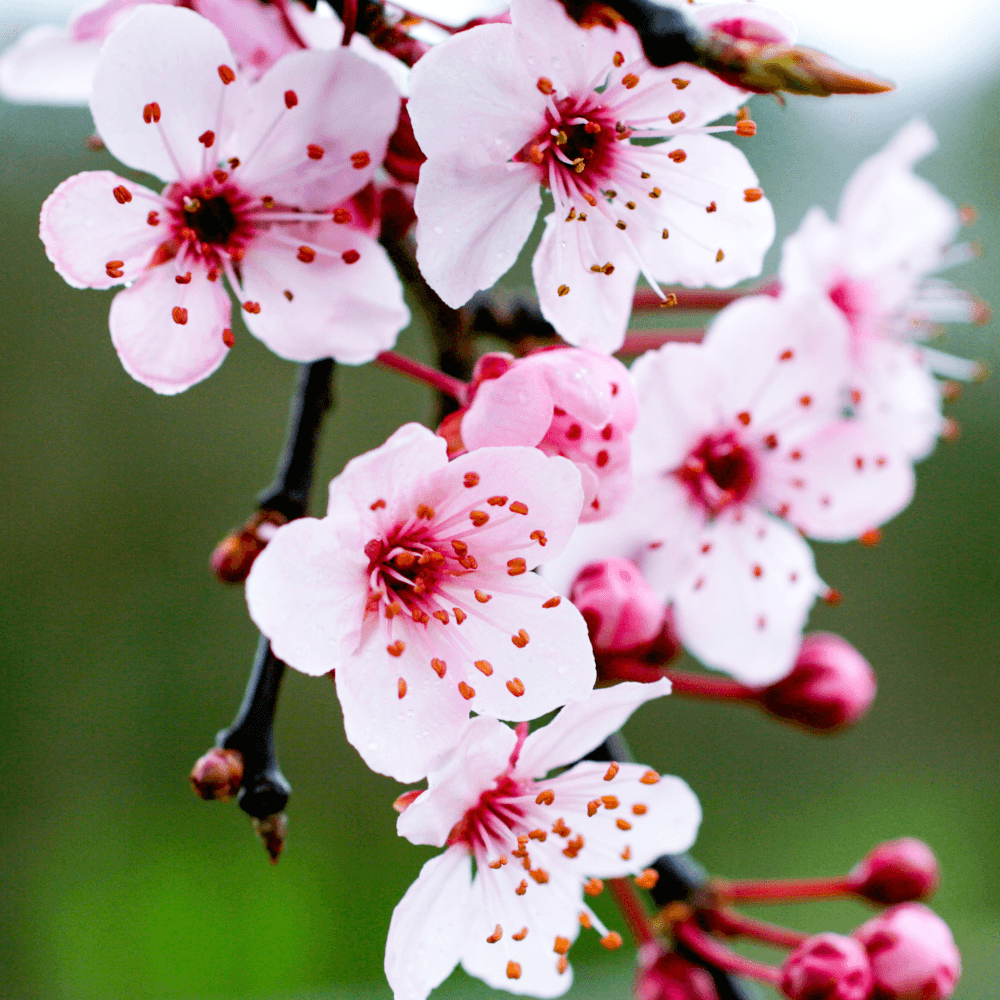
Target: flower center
494	820
718	472
210	219
854	300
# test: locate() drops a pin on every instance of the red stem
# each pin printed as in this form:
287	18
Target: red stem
640	341
350	20
714	953
709	688
702	298
289	25
632	909
734	924
453	387
775	890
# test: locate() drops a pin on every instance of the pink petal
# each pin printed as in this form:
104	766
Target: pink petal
736	619
515	409
462	250
470	98
327	307
482	753
276	159
591	386
157	351
84	227
254	31
97	20
847	479
170	56
668	824
537	657
580	727
304	592
594	312
714	171
428	925
48	66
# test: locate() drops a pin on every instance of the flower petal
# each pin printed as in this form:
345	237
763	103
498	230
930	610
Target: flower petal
580	727
84	226
460	253
482	753
48	66
170	56
428	925
736	619
666	821
327	307
273	140
155	349
514	409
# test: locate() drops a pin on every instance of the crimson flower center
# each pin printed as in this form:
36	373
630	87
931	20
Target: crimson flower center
494	817
718	472
211	218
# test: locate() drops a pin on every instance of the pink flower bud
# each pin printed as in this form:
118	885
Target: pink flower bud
912	953
489	366
830	686
665	975
827	967
217	775
618	605
897	871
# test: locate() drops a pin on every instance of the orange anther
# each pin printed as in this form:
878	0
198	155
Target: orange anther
719	257
226	74
650	778
180	316
522	888
350	256
478	517
183	279
562	965
639	809
396	648
537	835
306	254
593	806
544	84
746	127
122	194
483	598
545	798
497	501
630	80
315	152
484	667
227	337
612	940
564	289
593	887
516	687
610	801
207	138
618	59
627	853
677	155
291	99
518	508
360	160
679	84
515	567
521	934
753	194
521	639
552	602
540	875
495	936
151	113
648	878
341	216
623	824
401	688
561	946
677	117
471	479
439	666
513	970
465	691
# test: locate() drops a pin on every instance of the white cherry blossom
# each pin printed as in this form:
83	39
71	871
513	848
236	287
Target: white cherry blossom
417	589
538	844
502	110
257	180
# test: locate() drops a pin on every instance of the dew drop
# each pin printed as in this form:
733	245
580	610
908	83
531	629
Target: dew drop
439	230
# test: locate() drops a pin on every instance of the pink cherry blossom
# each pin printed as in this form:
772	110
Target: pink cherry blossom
503	109
741	448
535	842
53	65
417	589
874	263
565	401
254	175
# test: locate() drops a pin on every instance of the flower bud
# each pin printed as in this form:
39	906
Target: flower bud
827	967
897	871
235	554
217	775
831	685
912	953
665	975
273	831
489	366
620	608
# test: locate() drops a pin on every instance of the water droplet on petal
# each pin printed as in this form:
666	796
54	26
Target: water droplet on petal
439	230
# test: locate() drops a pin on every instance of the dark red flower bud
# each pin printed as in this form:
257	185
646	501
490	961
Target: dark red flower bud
827	967
665	975
912	954
898	871
404	157
273	832
620	608
831	685
235	554
217	775
491	365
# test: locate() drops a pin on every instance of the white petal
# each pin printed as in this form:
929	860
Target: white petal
48	66
428	925
580	727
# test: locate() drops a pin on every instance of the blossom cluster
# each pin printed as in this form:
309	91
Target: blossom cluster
574	521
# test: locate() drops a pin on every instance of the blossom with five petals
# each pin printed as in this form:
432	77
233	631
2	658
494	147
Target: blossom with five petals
504	108
740	449
893	231
565	401
538	844
254	177
417	589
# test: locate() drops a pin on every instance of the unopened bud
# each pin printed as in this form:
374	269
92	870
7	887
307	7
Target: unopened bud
827	967
665	975
898	871
272	831
451	430
235	554
912	953
489	366
831	685
620	608
217	775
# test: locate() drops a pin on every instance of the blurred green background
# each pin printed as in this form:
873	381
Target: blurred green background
121	656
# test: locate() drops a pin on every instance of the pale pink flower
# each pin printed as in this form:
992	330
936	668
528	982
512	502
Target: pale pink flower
417	589
740	449
254	174
504	109
564	401
53	65
535	842
893	230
